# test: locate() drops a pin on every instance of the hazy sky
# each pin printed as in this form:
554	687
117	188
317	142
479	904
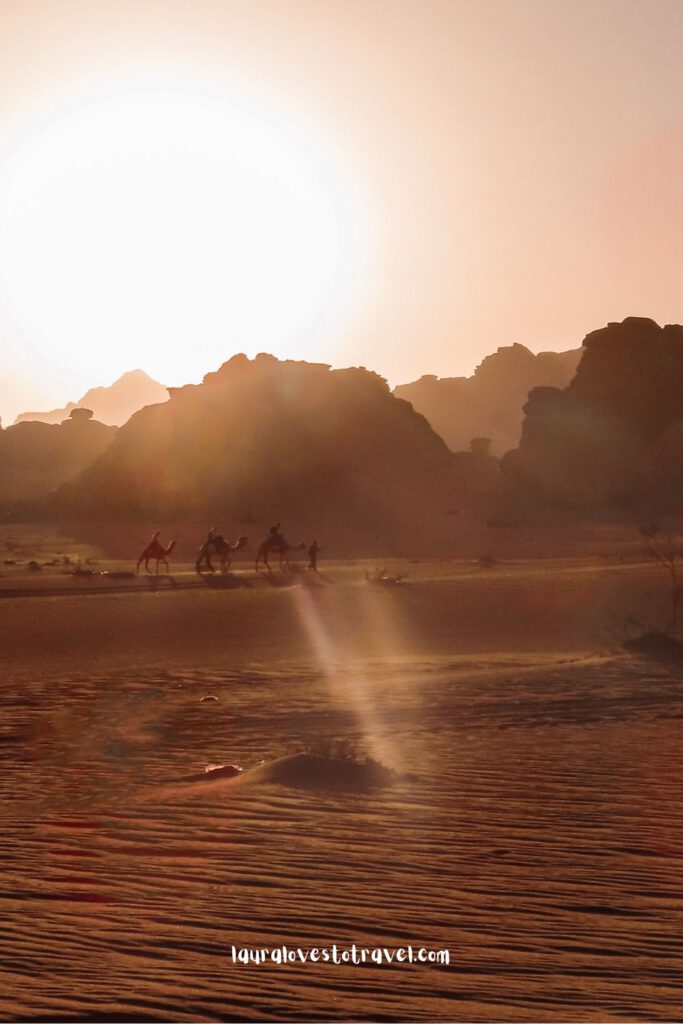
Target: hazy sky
440	177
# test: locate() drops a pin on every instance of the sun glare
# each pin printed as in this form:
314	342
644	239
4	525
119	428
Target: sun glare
168	226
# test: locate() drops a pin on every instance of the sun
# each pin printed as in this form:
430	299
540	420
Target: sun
169	225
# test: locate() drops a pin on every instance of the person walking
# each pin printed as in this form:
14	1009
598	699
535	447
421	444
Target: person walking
313	556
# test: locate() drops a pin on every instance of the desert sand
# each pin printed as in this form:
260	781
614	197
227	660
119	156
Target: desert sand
531	824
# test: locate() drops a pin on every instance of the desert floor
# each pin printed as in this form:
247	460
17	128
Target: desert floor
535	828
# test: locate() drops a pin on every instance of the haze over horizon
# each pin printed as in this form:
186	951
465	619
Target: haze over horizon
401	186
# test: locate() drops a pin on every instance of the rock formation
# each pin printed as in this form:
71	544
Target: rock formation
112	405
36	457
272	440
490	402
614	436
478	471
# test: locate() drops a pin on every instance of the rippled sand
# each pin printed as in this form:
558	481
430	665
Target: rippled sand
539	837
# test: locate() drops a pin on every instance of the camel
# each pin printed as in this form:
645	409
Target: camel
281	546
218	546
155	549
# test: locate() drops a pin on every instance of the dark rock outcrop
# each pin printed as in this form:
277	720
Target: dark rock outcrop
280	440
478	471
490	402
614	436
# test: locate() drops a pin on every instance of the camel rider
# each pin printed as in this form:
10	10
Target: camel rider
275	538
205	551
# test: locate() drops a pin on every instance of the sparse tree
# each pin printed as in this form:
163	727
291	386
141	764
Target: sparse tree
665	548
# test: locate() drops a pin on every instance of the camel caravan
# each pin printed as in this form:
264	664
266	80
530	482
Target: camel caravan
216	546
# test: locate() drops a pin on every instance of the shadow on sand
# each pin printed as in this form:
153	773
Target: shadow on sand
225	581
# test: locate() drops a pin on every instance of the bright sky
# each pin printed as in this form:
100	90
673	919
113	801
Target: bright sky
401	184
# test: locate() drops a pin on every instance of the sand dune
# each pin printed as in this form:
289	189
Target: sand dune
537	837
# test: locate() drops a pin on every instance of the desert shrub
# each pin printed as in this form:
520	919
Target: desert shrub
665	548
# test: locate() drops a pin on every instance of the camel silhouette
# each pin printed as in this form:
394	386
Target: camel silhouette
218	546
155	549
280	546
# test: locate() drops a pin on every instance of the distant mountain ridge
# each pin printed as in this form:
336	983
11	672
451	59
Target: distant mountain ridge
489	403
112	405
262	440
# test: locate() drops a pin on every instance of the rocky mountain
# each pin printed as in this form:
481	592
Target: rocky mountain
614	436
36	457
489	403
271	440
111	405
